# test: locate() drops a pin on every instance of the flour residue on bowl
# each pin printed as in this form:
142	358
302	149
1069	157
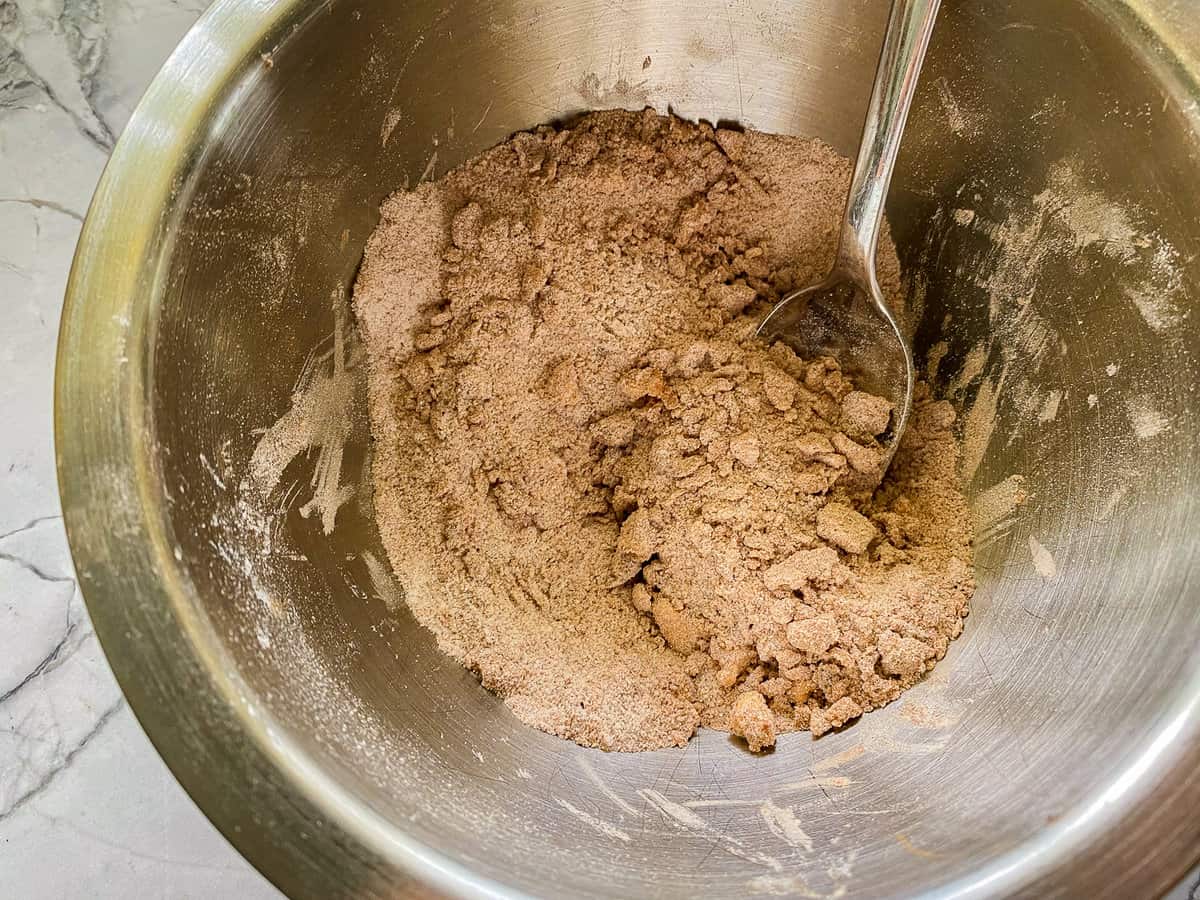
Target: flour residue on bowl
995	508
683	817
783	823
1145	419
1090	218
605	828
1043	560
1013	372
320	419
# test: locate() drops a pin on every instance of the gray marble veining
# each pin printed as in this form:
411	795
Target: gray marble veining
87	809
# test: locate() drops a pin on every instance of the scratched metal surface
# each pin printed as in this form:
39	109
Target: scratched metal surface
1047	218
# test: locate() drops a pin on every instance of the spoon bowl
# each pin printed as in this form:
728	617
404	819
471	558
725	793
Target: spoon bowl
837	318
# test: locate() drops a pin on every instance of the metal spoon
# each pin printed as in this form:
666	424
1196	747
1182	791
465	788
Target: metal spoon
845	315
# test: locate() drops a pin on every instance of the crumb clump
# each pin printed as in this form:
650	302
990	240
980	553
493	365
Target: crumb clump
753	720
599	492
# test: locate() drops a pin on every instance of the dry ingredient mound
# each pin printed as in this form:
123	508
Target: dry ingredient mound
626	515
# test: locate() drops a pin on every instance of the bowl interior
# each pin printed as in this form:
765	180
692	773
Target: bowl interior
1049	226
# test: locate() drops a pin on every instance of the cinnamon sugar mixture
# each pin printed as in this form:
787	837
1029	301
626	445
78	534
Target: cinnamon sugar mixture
626	515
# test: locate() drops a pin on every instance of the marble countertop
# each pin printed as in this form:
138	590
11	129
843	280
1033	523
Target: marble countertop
87	809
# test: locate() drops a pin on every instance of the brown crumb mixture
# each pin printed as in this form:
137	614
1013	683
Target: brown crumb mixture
628	517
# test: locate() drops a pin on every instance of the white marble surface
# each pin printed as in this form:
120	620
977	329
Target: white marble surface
87	809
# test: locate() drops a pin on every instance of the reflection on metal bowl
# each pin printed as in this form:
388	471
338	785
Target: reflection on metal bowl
1048	220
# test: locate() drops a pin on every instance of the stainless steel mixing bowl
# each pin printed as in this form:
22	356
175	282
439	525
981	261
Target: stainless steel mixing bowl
1047	215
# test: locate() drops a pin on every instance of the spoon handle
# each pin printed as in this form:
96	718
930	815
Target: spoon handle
909	27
